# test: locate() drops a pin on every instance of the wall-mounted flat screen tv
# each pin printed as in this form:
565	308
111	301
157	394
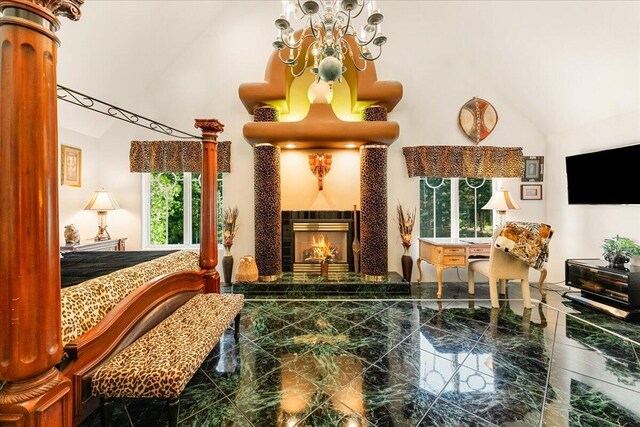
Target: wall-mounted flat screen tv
608	177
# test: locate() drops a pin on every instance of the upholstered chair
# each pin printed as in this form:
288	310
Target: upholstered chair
500	267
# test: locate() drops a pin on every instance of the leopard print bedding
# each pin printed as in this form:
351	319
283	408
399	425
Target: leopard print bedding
528	241
86	303
161	362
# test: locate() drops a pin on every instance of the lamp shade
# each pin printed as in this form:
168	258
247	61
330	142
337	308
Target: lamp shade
501	201
102	201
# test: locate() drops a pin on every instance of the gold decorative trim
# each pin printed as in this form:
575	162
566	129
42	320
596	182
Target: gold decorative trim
334	268
272	278
320	226
362	147
370	278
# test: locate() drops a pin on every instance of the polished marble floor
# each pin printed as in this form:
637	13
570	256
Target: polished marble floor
412	361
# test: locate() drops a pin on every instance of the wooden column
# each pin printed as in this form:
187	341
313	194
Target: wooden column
36	393
208	205
373	212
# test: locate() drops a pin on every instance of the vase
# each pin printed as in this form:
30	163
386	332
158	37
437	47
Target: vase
407	265
247	270
227	265
617	261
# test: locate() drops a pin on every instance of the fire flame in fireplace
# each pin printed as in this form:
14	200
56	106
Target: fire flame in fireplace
321	248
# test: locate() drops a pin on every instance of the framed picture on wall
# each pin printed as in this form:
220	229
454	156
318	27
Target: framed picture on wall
531	192
71	166
533	169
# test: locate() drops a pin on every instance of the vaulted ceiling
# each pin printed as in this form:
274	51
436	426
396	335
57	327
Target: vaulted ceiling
561	64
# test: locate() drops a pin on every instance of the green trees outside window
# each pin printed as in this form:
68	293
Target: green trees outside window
174	208
452	207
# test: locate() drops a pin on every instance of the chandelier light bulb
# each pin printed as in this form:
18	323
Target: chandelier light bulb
371	7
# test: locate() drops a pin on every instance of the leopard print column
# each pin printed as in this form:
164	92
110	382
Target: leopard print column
373	219
268	220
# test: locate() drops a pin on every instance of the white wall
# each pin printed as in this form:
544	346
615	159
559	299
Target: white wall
299	188
580	230
73	199
203	82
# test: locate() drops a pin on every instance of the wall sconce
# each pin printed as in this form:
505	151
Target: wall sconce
320	165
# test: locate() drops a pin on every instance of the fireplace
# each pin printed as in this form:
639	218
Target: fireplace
308	237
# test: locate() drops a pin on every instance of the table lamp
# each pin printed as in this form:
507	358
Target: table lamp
501	202
102	202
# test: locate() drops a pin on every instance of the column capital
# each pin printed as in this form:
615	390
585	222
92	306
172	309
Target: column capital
210	127
67	8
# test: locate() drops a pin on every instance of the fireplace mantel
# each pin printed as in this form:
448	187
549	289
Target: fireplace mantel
321	128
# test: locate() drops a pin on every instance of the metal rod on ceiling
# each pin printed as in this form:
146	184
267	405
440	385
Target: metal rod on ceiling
110	110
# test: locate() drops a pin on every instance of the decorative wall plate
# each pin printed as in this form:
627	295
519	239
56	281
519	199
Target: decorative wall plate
477	119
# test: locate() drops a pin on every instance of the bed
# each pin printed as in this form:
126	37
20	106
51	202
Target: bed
126	294
78	267
110	299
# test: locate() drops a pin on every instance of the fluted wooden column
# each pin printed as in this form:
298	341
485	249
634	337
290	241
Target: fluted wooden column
36	393
268	216
208	206
373	212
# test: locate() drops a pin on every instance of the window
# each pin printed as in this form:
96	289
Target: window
172	209
452	207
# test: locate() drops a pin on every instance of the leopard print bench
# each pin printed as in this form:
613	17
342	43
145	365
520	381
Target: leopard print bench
161	362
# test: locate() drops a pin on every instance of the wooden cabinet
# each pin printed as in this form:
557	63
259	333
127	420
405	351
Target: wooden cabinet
91	245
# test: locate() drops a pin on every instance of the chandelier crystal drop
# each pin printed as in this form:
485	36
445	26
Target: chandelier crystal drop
328	23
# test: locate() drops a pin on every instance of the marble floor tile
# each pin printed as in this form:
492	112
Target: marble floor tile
221	414
340	361
590	397
445	414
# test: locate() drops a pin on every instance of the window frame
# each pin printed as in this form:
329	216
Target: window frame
455	208
187	214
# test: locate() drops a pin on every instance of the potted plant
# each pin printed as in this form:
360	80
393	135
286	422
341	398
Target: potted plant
406	220
229	229
619	250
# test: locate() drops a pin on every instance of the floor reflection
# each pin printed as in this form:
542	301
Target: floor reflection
408	363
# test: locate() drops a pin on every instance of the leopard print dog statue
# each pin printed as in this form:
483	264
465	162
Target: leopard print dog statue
71	235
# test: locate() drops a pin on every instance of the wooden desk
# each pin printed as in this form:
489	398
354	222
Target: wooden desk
92	245
446	253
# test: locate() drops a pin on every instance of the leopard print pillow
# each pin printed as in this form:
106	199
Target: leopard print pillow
161	362
528	241
86	303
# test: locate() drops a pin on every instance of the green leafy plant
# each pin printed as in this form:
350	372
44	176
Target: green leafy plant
619	248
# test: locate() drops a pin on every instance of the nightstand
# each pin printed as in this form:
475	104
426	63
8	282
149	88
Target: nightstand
92	245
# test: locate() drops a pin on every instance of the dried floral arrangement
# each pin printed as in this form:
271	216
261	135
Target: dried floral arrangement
406	221
230	226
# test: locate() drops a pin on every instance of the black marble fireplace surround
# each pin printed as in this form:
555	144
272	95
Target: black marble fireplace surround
289	218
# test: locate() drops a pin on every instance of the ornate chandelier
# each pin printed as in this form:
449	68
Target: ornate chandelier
328	22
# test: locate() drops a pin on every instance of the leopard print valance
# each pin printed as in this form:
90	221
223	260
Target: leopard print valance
452	161
174	156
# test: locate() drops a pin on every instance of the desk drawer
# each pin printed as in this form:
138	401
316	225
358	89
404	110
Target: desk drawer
480	251
454	251
455	260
